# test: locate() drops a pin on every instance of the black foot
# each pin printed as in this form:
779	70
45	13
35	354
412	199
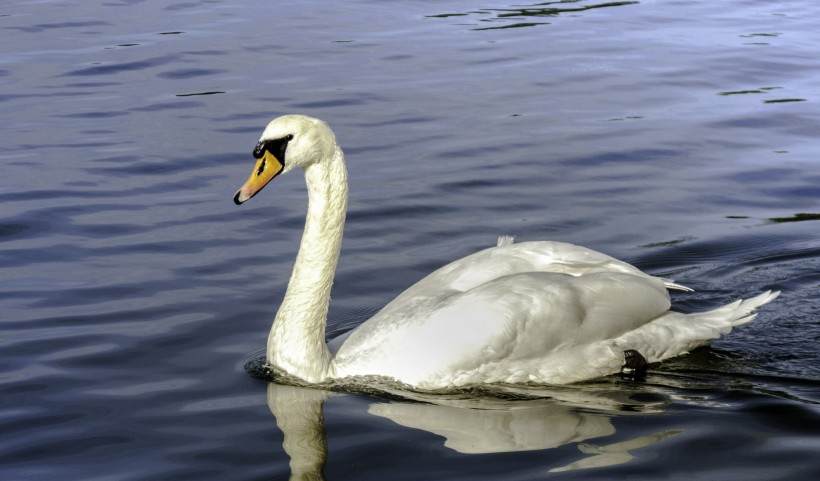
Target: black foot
259	368
634	367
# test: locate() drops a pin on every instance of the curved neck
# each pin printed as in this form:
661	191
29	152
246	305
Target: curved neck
296	343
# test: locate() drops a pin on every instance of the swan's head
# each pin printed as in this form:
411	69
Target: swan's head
288	142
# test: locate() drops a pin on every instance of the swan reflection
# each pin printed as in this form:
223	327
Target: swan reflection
519	420
299	415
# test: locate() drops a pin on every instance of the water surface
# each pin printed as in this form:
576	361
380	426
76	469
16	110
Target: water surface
679	136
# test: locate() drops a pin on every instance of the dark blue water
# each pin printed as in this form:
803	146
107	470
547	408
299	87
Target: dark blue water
679	136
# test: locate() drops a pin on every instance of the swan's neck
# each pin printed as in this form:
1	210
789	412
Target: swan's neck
296	343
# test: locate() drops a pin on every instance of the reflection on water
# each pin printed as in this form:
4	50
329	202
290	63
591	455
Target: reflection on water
479	428
795	218
615	453
551	418
501	18
299	415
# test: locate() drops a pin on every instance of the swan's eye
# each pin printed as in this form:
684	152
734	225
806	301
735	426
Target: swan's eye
289	137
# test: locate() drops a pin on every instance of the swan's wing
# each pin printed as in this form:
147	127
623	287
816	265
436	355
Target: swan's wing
507	258
513	328
504	260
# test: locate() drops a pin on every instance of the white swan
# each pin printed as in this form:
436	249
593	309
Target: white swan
532	312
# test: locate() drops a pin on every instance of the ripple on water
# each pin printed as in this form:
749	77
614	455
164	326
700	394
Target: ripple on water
134	290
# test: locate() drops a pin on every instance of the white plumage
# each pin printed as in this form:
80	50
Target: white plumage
531	312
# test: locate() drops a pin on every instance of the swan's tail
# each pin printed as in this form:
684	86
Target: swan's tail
675	333
667	336
739	312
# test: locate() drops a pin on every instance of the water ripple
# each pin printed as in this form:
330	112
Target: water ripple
133	290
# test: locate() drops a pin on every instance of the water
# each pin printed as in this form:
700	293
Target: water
680	136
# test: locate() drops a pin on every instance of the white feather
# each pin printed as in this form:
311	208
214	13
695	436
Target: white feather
505	240
530	312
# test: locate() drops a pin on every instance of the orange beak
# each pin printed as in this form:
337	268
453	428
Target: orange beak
267	167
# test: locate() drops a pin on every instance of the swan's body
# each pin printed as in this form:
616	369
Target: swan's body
540	312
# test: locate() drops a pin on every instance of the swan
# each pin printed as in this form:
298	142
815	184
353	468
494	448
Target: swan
531	312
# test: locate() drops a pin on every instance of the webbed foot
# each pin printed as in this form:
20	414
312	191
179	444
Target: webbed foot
634	366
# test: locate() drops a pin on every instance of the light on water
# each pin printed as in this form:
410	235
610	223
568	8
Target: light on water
680	137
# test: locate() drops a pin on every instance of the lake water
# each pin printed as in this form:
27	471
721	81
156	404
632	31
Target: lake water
679	136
